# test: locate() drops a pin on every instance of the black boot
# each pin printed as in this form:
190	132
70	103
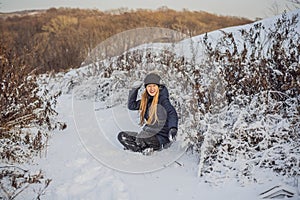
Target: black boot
128	140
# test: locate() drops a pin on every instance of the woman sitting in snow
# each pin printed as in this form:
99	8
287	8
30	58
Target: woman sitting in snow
157	115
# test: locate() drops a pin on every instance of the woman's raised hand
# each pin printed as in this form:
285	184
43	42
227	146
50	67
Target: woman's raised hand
137	85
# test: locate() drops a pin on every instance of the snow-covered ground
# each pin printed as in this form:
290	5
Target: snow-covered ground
85	161
78	174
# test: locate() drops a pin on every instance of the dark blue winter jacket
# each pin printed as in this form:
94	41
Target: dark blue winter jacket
167	115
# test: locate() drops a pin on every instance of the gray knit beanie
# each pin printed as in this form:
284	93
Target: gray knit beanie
152	78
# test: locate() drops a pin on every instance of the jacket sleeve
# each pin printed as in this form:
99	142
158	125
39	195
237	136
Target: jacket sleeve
172	117
133	104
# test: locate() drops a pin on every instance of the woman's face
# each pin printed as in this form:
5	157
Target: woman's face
152	89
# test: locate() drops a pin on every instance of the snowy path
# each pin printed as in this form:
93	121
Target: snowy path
75	173
78	174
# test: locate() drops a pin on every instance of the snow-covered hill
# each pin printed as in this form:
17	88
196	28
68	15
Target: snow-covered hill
225	160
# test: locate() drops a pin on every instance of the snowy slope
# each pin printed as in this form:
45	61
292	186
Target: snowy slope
85	161
77	174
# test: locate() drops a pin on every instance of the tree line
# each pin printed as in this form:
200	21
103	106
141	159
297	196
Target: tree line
59	39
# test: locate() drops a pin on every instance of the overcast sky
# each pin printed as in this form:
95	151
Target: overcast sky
242	8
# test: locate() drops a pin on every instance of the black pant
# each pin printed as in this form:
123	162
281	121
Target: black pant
131	141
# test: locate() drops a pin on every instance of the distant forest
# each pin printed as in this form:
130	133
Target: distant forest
59	39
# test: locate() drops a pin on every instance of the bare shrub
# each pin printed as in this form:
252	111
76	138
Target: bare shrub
26	117
259	127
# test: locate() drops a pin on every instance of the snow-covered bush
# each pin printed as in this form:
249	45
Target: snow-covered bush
15	181
26	112
26	118
258	59
249	134
260	125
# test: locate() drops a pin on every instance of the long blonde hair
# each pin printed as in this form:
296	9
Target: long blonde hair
152	110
